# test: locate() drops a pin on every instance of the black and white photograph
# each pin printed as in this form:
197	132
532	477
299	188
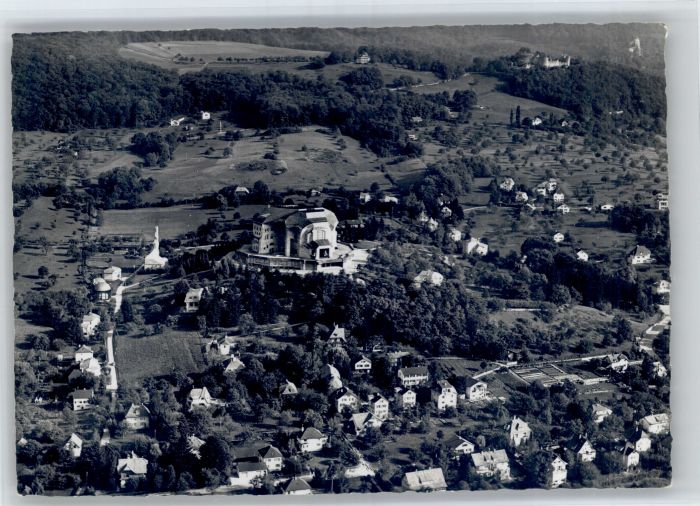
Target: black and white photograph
314	260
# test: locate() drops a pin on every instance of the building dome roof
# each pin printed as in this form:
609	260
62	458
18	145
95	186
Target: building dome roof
101	285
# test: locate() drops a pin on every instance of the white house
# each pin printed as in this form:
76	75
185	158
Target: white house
582	256
379	406
520	432
662	287
492	463
247	472
431	277
345	399
138	417
661	201
337	337
405	398
446	212
83	353
586	453
363	365
558	197
643	443
455	235
630	457
558	470
617	362
201	398
425	480
507	185
298	486
192	299
558	237
288	388
363	58
390	199
177	122
232	365
206	115
475	245
91	366
607	207
312	440
89	324
365	197
563	209
600	412
81	399
74	445
476	390
412	376
432	224
131	468
446	397
521	197
640	255
271	457
656	424
459	446
112	273
537	121
660	369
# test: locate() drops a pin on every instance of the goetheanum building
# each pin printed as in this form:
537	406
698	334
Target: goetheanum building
303	240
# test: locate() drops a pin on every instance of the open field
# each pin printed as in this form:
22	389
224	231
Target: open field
166	53
313	160
172	221
57	226
140	357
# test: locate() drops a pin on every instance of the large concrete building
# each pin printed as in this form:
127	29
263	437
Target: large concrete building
298	240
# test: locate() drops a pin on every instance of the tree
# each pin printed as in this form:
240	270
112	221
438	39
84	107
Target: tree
43	271
517	117
216	454
537	468
127	310
623	329
44	245
246	324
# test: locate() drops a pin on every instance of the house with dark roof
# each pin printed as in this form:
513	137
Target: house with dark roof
298	486
476	390
81	399
312	440
138	417
271	457
458	446
640	255
413	376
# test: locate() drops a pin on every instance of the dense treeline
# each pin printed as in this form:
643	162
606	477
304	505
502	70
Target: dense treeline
55	89
609	93
568	279
377	118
